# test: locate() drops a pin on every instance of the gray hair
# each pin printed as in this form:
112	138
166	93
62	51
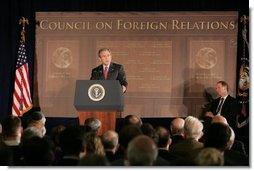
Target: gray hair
30	132
93	123
193	127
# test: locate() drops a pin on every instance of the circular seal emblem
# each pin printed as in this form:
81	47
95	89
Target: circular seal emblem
96	92
62	57
206	58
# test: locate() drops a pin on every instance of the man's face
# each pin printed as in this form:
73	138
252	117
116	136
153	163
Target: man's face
105	57
221	90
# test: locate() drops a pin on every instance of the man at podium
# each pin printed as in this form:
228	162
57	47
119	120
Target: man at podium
109	70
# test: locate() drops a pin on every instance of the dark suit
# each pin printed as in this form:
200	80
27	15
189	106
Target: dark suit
170	157
238	146
115	72
176	138
235	158
229	109
185	147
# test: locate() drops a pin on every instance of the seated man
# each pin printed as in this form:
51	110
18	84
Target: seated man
141	151
38	120
92	124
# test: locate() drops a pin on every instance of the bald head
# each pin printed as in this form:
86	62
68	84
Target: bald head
176	126
219	119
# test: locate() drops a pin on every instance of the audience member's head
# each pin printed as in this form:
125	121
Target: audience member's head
6	155
127	133
55	133
193	128
37	152
110	140
11	128
92	124
219	119
30	132
72	141
94	144
217	136
92	159
148	129
132	120
209	157
141	151
38	120
176	126
164	139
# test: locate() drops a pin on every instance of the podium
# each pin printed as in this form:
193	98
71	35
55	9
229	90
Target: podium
102	99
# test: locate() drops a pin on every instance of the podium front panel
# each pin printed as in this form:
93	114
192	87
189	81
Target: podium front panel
112	95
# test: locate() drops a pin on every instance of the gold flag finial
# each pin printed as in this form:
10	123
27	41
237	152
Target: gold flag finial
244	19
23	21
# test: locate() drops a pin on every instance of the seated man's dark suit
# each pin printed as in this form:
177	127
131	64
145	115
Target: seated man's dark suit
229	109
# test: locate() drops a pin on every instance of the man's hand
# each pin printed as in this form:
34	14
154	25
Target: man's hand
124	88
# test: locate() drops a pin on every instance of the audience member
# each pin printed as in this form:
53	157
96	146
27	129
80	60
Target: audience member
219	119
209	157
110	143
140	153
6	155
55	137
236	144
30	132
193	131
38	120
148	129
164	141
177	130
92	159
72	144
11	134
37	152
92	124
219	136
132	120
126	134
94	144
55	133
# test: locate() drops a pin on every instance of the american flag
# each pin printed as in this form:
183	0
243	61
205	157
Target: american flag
243	78
22	101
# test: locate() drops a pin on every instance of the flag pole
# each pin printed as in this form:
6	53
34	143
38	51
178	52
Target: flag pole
21	96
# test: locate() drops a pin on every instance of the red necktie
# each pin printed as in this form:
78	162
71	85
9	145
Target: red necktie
106	73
